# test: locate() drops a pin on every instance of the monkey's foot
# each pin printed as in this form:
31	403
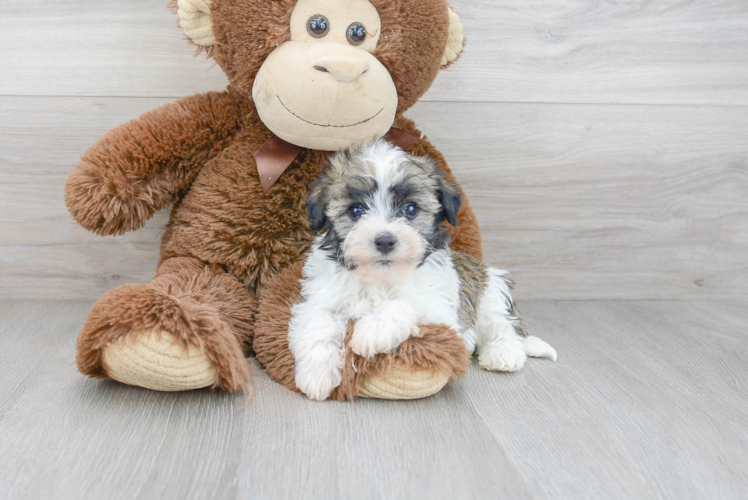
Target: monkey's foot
157	360
141	335
402	383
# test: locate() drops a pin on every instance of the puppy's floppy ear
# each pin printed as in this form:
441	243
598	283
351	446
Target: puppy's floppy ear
447	192
451	199
316	208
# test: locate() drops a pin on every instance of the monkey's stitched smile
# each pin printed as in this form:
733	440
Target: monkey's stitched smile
328	126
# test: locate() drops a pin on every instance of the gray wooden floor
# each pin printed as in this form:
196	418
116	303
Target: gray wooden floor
647	400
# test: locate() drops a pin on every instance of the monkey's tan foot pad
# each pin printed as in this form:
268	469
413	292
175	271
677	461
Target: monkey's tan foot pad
402	383
156	360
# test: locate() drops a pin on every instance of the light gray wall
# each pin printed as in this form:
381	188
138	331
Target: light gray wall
603	144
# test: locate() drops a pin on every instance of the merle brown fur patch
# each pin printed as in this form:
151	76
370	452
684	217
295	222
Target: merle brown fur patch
473	275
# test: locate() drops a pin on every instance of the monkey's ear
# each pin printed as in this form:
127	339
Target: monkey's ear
451	199
316	209
455	39
194	18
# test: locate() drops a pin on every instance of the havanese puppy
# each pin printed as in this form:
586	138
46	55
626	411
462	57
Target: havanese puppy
382	257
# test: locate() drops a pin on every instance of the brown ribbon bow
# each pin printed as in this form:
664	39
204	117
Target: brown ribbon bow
274	157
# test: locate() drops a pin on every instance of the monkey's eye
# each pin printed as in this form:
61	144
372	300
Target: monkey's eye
410	210
356	34
355	212
318	26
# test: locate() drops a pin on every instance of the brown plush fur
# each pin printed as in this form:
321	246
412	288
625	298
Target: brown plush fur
227	238
199	305
142	166
437	347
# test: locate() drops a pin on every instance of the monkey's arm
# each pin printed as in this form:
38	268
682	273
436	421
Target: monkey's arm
142	166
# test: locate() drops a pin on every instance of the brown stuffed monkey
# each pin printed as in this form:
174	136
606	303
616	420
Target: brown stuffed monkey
306	77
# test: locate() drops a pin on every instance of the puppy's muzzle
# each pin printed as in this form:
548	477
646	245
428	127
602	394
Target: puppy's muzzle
385	243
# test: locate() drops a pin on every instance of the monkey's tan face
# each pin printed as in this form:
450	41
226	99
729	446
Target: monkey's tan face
324	89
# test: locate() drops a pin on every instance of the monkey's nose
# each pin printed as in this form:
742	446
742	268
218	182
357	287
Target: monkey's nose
344	69
385	243
344	63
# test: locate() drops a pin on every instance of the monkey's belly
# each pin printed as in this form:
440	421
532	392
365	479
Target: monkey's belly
227	218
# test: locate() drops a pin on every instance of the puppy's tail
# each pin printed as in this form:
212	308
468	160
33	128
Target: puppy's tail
536	348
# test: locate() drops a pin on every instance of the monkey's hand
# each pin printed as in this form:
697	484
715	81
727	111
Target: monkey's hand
142	166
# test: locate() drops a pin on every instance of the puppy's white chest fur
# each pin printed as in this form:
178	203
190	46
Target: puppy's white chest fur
430	290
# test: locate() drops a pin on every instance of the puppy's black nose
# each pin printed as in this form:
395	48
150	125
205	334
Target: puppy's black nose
385	243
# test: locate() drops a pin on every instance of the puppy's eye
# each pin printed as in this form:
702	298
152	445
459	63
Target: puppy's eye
410	210
355	211
318	26
356	34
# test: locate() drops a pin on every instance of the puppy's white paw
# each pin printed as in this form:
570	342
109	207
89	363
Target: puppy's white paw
317	382
317	348
503	356
377	333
